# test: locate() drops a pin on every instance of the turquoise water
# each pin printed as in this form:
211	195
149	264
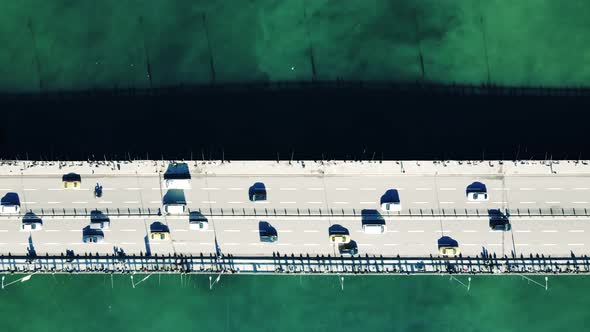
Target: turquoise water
294	303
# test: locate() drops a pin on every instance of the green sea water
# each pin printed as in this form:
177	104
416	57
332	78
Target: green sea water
294	303
85	44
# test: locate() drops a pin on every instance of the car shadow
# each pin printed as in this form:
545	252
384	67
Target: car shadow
148	248
10	199
390	196
89	231
71	177
98	216
31	252
476	187
32	218
157	226
177	171
338	229
174	196
371	216
266	229
447	241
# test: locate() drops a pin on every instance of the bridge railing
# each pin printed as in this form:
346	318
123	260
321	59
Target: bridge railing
314	212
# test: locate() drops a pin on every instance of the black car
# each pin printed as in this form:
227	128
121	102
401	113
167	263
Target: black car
349	248
498	220
257	192
98	190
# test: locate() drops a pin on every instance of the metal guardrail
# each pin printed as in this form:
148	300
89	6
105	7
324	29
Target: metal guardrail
315	212
118	263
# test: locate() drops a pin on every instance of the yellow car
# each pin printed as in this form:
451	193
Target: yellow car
339	238
160	235
71	181
449	251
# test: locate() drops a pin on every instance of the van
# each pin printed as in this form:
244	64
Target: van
174	208
374	228
177	183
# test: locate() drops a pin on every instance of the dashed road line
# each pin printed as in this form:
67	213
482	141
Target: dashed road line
79	202
527	202
423	189
316	189
235	202
368	189
131	202
342	189
549	231
235	188
576	231
420	202
287	202
208	202
368	202
314	202
527	189
288	189
340	203
552	202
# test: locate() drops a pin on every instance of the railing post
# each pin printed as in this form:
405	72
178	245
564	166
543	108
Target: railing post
421	214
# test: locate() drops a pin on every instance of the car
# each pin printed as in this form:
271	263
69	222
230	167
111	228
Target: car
100	224
71	181
9	209
197	221
174	208
98	191
448	251
177	183
477	192
498	220
93	238
31	226
268	237
339	238
159	235
348	249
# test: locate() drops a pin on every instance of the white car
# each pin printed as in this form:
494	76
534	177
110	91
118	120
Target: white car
103	224
202	225
177	184
374	228
391	206
31	226
9	209
477	196
174	208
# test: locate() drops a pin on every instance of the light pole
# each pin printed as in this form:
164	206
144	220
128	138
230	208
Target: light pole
211	284
23	279
536	282
342	283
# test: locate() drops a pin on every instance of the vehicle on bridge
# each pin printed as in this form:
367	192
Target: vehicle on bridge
477	192
267	232
93	238
257	192
390	201
499	221
99	220
10	204
197	221
339	238
448	247
71	181
177	176
97	191
348	249
174	202
160	235
373	222
31	223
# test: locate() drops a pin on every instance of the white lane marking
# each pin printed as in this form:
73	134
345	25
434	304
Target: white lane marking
469	231
580	202
576	231
132	188
80	202
500	188
232	230
75	230
368	202
131	202
522	244
310	231
288	189
524	231
53	189
499	202
209	188
208	202
495	244
52	243
235	188
52	230
315	188
552	202
286	231
180	230
311	244
448	189
340	203
575	244
30	189
390	244
439	231
205	243
470	202
3	230
156	188
29	202
231	244
365	245
75	243
548	244
127	243
469	244
235	202
447	202
423	189
283	244
314	202
527	202
420	202
155	202
105	202
368	189
342	189
287	202
129	230
416	231
262	202
554	188
580	188
549	231
527	189
53	202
